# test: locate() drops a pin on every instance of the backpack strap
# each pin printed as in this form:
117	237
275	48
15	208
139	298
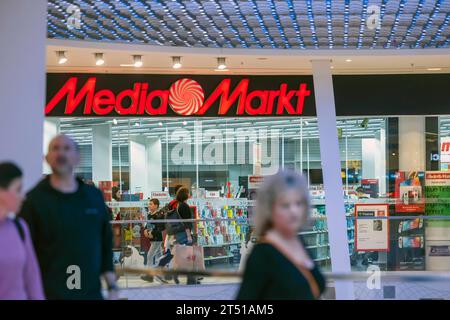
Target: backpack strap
19	229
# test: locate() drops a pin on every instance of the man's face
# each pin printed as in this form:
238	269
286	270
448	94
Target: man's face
62	155
153	207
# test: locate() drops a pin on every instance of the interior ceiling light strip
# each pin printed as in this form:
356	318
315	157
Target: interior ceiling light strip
260	24
427	25
378	30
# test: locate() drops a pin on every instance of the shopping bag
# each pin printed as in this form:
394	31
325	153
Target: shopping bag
188	258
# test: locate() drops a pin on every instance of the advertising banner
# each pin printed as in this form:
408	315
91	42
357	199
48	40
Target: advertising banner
370	187
437	192
409	192
157	95
372	232
160	195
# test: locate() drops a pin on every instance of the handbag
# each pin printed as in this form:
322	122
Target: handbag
188	258
172	228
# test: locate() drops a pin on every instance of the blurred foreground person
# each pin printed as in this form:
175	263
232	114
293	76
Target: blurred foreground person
70	228
20	277
279	266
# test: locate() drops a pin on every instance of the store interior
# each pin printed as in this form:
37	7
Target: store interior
143	156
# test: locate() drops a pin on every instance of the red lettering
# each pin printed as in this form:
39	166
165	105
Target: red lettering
445	147
105	102
262	96
163	96
226	101
141	107
302	93
103	97
73	101
271	103
133	95
284	102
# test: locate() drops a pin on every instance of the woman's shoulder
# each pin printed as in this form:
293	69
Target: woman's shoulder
263	249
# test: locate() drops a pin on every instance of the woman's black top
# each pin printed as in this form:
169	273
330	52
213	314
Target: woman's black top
270	275
185	213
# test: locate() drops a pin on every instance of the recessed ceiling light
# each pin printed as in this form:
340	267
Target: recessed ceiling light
176	62
160	124
221	63
61	57
137	60
115	121
184	122
99	59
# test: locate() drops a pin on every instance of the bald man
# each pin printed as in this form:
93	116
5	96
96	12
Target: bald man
70	228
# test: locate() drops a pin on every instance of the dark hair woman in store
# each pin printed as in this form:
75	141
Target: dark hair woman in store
20	277
279	266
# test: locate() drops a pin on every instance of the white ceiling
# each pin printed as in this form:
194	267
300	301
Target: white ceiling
157	59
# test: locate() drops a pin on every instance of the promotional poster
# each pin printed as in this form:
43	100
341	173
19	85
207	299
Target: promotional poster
372	227
409	192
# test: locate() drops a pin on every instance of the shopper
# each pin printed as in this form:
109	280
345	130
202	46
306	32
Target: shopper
279	267
184	235
20	277
70	228
154	232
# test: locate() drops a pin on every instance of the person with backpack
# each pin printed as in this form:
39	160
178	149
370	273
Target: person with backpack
20	276
178	232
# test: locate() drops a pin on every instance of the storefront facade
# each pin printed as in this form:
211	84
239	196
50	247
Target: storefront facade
220	135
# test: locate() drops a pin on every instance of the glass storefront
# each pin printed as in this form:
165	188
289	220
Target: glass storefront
222	156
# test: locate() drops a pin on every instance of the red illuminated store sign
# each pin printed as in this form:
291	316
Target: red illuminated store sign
183	96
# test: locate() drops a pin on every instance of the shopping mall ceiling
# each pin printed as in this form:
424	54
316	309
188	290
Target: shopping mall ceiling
305	24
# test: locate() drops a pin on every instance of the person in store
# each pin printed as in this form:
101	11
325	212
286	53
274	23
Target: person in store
153	232
20	277
184	237
70	227
279	266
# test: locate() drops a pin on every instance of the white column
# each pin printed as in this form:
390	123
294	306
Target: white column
101	153
331	168
51	129
23	32
411	143
154	165
369	153
138	166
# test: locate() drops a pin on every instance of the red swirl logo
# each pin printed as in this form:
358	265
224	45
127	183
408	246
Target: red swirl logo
186	96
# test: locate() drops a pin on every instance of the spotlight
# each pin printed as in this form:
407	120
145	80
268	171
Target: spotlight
176	62
99	59
115	121
184	122
137	124
160	124
61	57
221	63
137	60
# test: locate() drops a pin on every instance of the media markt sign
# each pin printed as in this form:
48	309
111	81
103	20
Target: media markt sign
162	95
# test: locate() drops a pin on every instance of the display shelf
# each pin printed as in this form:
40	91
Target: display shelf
219	257
221	245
